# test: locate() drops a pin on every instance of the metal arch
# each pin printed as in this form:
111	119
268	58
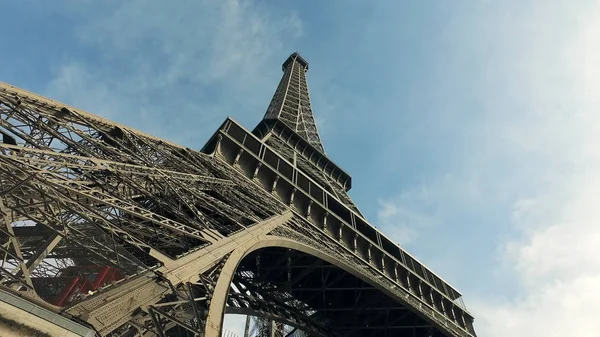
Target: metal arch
217	309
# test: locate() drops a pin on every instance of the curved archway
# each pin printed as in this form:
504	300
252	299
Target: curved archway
222	288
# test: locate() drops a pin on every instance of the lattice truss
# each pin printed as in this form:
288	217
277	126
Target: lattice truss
81	195
182	312
291	102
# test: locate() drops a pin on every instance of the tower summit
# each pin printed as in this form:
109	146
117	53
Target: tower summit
291	102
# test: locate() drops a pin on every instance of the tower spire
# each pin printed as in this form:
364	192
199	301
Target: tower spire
291	103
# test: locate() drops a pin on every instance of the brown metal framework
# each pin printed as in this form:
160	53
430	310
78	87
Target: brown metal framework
136	236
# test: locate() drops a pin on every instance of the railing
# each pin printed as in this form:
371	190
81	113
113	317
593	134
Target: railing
459	302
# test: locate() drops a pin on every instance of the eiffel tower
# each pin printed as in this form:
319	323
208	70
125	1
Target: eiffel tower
109	231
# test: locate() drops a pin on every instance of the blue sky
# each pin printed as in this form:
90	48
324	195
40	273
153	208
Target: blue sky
470	127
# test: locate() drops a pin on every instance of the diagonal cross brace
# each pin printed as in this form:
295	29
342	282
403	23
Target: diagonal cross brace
109	310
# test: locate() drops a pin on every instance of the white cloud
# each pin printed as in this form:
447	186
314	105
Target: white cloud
554	176
163	67
82	89
418	209
558	259
404	219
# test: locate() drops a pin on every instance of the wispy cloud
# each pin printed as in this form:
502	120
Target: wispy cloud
556	257
548	179
404	217
165	68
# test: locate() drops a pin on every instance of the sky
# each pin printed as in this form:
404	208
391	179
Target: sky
470	128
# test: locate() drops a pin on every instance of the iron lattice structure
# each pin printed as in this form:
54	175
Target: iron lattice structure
137	236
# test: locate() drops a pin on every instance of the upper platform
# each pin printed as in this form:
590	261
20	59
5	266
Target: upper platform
304	148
